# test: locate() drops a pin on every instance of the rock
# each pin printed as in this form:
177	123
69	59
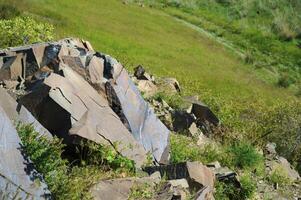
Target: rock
18	113
179	183
144	124
214	165
170	84
170	192
140	74
195	173
193	129
282	164
205	193
204	114
182	120
118	189
203	139
11	85
148	88
270	148
17	175
75	93
291	172
224	173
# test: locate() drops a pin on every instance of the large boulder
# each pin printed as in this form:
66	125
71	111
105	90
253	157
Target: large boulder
75	93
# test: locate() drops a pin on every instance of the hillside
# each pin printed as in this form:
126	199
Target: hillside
252	108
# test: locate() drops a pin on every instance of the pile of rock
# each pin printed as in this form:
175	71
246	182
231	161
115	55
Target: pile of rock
194	118
67	89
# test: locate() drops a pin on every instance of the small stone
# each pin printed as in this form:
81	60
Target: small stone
147	87
193	129
215	165
271	148
179	182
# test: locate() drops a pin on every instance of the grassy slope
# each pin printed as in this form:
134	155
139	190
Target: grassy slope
166	47
143	36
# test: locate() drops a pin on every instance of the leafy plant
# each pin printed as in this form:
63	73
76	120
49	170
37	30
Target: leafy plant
244	155
24	30
229	191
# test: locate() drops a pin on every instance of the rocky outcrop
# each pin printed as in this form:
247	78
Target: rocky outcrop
76	93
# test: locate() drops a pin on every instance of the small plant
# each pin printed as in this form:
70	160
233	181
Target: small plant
244	155
183	149
173	100
229	191
279	176
139	192
92	153
285	81
248	186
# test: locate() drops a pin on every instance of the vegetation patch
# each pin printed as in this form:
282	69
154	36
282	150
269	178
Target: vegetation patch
24	30
65	179
229	190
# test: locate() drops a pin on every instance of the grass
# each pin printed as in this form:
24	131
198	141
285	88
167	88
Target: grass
237	92
269	30
246	99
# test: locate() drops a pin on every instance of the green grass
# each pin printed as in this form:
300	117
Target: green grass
248	106
269	31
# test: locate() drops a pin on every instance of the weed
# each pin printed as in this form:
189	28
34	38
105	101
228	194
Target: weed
229	191
285	81
279	176
141	191
173	100
244	155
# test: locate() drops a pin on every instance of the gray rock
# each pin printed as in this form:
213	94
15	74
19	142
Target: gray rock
119	189
270	148
171	85
17	174
195	173
182	120
148	88
204	114
18	113
179	183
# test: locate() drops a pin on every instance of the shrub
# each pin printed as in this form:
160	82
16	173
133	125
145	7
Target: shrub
248	186
285	81
228	190
183	149
22	31
244	155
